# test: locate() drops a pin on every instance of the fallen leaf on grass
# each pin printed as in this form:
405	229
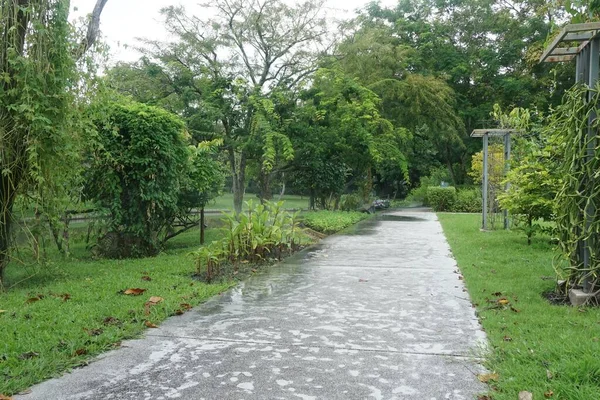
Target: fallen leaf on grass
111	321
34	299
2	311
549	374
185	306
155	299
524	395
503	301
28	355
146	278
150	324
485	378
3	397
65	296
134	291
497	294
80	352
507	339
484	397
253	270
548	394
94	332
514	309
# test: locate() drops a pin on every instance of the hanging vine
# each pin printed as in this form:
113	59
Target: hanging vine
578	199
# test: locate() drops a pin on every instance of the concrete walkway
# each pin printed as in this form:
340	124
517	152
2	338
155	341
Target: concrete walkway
379	313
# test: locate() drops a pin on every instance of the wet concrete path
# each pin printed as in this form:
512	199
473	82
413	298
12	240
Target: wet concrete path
375	314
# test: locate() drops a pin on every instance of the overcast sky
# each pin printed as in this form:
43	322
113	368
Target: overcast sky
125	20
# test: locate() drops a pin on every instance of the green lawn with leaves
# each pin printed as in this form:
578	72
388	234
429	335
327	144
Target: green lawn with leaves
71	310
225	201
328	222
549	350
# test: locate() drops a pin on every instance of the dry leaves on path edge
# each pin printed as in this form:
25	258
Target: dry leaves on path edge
485	378
80	352
150	324
484	397
3	397
524	395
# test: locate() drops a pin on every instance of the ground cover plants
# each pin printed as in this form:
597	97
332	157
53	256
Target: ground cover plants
548	350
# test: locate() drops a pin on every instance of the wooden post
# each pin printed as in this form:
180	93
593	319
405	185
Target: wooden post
506	169
485	182
202	225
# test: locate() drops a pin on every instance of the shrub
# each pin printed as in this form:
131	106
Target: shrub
441	198
468	200
135	173
332	221
350	202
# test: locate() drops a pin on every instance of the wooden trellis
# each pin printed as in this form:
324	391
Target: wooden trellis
486	134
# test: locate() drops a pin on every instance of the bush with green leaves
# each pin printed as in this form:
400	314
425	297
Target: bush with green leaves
137	162
350	202
468	200
264	231
327	222
441	198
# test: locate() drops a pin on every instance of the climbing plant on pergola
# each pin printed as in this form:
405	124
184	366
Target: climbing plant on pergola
578	217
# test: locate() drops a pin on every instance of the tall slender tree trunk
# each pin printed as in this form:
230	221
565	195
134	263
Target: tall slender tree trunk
265	186
238	174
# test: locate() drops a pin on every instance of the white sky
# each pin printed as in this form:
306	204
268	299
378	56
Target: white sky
125	20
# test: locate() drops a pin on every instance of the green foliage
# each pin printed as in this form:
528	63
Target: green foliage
468	200
441	198
137	162
264	231
350	202
577	211
530	196
38	81
327	222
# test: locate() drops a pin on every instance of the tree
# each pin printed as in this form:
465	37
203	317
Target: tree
249	49
342	134
138	159
37	65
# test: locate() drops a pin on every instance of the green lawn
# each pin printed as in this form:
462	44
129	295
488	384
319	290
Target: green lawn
225	201
328	222
72	309
549	350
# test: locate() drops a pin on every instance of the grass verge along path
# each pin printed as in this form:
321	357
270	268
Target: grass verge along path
75	309
549	350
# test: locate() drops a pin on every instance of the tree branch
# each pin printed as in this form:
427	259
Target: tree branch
93	29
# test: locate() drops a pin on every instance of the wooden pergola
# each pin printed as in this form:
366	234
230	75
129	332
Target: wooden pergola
485	134
582	43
